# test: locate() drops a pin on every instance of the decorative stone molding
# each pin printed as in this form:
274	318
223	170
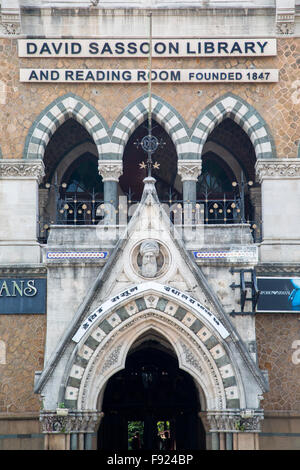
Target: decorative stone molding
110	170
10	24
279	168
189	170
285	17
75	422
238	421
12	168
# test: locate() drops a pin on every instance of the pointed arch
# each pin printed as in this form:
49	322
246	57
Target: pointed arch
135	113
198	338
234	107
55	114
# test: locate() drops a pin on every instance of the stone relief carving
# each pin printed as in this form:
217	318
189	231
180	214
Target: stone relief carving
75	421
189	170
110	170
281	167
239	420
17	168
149	251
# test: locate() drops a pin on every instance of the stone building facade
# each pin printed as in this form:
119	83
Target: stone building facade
105	268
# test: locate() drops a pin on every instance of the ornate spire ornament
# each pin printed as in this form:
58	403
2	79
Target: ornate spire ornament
149	143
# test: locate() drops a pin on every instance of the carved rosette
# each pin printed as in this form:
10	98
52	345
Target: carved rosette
235	421
110	170
75	422
279	168
189	170
12	168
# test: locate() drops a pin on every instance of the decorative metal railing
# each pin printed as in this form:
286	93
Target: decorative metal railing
78	210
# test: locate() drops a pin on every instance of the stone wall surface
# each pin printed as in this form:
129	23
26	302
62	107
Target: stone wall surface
277	103
276	335
24	337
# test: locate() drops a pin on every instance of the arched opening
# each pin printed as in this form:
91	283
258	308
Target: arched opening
167	181
72	188
152	396
227	180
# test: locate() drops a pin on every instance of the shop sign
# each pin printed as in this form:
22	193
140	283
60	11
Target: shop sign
278	294
22	296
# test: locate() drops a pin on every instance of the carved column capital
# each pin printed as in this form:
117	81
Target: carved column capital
110	170
189	170
238	421
13	168
74	422
277	168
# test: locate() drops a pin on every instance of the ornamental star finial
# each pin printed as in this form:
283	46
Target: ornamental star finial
142	165
156	165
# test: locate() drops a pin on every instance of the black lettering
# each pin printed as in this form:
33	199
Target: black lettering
223	46
249	46
126	75
236	48
262	46
106	48
93	48
79	75
31	48
175	76
69	75
160	48
90	76
54	75
132	49
56	48
209	47
141	75
33	75
143	49
119	48
44	74
115	75
188	49
100	75
45	48
173	47
75	48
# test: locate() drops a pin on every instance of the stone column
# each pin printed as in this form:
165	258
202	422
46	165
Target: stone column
189	170
19	208
234	430
110	171
280	192
70	432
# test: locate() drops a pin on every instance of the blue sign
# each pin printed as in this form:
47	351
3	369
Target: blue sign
19	295
278	294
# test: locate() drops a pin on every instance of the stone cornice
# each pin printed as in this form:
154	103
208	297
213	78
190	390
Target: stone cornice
12	168
277	168
110	170
74	421
189	170
235	421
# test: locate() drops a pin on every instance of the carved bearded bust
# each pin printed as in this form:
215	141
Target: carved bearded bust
149	251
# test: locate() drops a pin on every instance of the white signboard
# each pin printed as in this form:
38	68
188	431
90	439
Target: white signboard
142	76
115	301
140	47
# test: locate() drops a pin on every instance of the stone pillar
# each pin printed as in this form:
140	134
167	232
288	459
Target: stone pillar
189	170
110	171
70	432
234	430
280	192
19	208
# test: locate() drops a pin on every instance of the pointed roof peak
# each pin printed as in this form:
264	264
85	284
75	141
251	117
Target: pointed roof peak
149	189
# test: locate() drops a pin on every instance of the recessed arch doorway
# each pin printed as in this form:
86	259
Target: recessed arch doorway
154	397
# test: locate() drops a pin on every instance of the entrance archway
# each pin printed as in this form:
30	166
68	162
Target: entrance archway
153	396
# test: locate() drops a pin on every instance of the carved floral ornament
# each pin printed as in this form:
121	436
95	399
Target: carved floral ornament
75	421
110	170
189	170
239	420
22	169
279	168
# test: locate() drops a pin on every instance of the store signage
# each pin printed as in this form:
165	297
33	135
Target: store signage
142	76
20	295
278	294
131	292
105	48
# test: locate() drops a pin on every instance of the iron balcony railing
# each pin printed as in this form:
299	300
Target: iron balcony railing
77	210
